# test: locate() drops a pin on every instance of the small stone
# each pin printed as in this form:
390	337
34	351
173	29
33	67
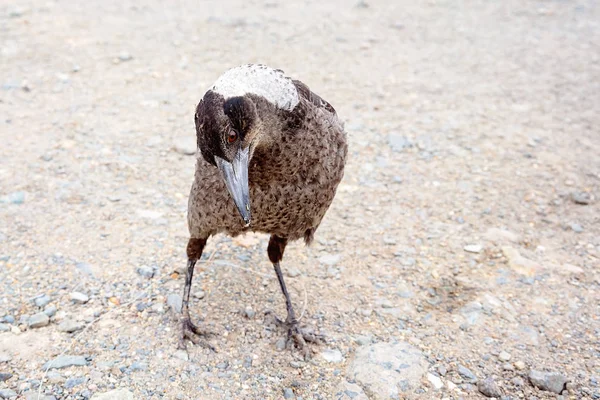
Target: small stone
548	381
65	361
69	326
50	310
288	394
4	376
398	143
473	248
86	268
7	394
182	355
508	367
76	381
185	145
435	381
489	388
79	298
332	356
4	358
582	198
504	356
249	312
442	370
280	344
146	271
125	56
330	259
520	365
576	227
14	198
4	328
42	300
38	320
9	319
466	373
292	272
363	340
54	377
139	366
517	381
117	394
199	294
175	302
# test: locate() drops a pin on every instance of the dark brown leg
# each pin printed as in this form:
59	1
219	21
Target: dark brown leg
191	331
275	249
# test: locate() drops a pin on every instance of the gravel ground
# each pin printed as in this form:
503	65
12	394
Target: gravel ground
460	258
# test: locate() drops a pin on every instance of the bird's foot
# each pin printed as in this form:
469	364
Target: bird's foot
298	337
195	335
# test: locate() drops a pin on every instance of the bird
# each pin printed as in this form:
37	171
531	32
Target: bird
270	156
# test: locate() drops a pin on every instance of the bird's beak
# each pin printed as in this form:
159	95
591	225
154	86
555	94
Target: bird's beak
235	175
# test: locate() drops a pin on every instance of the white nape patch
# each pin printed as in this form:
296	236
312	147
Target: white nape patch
260	80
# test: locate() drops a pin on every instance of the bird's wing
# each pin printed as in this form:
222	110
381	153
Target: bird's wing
312	97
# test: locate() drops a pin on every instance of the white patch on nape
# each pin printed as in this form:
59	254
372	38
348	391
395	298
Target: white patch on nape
260	80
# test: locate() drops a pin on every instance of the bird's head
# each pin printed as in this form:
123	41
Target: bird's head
228	131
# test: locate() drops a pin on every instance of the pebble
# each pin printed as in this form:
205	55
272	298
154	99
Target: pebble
520	365
38	320
79	298
398	143
13	198
4	327
466	373
576	227
9	319
582	198
473	248
548	381
363	340
125	56
280	344
379	368
292	272
69	326
185	145
4	358
66	361
442	370
75	381
146	271
50	310
42	300
199	294
504	356
517	381
435	381
117	394
288	394
7	394
139	366
249	312
330	259
4	376
332	356
86	268
489	388
175	302
182	355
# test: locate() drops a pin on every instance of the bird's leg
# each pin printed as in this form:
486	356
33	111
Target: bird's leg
189	330
275	249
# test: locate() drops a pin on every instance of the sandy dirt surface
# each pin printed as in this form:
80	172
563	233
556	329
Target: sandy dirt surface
464	240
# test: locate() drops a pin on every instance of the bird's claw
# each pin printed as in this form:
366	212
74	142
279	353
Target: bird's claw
195	335
298	337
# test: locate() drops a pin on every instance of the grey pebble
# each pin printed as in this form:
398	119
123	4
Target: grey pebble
398	143
288	393
280	344
466	373
79	297
517	381
4	358
146	271
249	312
292	272
175	302
66	361
69	326
50	310
332	356
4	328
7	394
576	227
363	340
504	356
199	294
582	198
14	198
9	319
75	381
85	268
38	320
548	381
125	56
442	370
4	376
330	259
185	145
489	388
139	366
42	300
182	355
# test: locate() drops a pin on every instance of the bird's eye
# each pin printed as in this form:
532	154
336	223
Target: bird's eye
232	136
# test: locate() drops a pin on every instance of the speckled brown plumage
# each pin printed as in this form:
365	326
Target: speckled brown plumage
296	162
